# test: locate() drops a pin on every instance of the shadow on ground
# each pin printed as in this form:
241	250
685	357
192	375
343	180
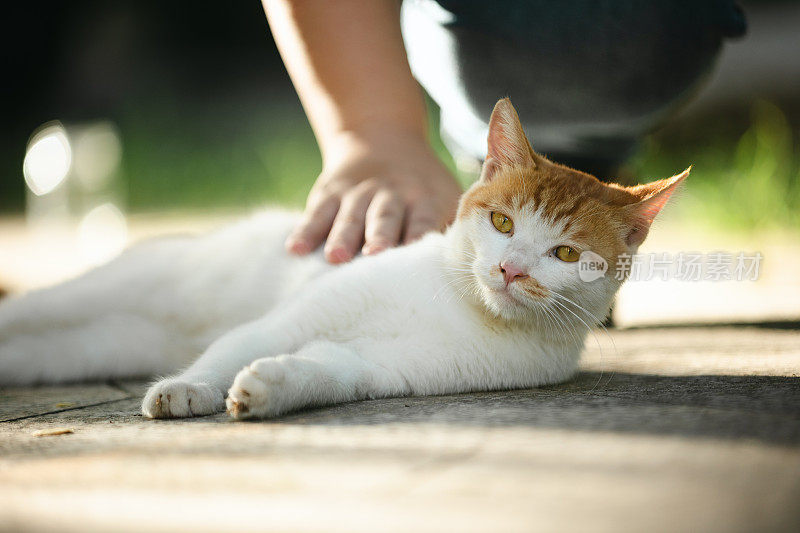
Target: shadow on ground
765	408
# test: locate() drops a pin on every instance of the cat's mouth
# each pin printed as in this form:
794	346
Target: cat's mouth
506	295
509	300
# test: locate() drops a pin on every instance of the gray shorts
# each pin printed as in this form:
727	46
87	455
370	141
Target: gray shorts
588	77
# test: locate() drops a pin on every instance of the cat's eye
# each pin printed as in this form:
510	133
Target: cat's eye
566	254
502	222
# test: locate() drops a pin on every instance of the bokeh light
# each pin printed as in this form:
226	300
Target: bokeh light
48	159
97	155
102	233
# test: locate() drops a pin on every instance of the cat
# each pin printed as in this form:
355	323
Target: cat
495	302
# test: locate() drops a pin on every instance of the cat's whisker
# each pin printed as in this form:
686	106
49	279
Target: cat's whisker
549	320
565	326
462	292
559	305
457	289
591	316
605	330
456	279
544	321
592	331
598	322
459	269
470	289
557	328
576	333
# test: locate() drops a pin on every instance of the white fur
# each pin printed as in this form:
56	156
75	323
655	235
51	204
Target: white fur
284	332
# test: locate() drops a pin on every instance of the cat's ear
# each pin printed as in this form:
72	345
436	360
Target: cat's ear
507	142
654	196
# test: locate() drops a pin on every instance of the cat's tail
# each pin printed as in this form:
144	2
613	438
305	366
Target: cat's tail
101	325
109	347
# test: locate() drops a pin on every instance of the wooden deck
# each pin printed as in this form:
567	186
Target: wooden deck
671	429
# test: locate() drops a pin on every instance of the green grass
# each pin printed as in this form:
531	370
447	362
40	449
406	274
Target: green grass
267	159
746	173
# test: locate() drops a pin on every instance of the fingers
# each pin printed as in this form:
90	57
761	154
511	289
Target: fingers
347	232
422	218
314	227
365	204
384	221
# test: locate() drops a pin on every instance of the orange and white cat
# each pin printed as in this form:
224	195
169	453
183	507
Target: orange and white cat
496	302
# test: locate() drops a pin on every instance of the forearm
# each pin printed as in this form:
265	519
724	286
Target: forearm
348	64
380	182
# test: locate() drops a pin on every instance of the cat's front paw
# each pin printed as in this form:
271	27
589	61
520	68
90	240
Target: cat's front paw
260	390
171	398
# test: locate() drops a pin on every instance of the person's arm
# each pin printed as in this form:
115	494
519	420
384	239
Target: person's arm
381	181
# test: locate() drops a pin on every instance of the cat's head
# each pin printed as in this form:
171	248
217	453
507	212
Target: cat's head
528	225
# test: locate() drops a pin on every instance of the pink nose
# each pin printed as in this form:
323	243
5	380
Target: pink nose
511	272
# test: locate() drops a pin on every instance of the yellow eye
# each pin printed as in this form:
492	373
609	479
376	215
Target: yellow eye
567	254
502	222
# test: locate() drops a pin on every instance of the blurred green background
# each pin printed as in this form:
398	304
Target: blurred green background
746	167
746	174
208	119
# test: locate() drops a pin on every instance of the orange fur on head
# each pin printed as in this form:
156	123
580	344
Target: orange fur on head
609	219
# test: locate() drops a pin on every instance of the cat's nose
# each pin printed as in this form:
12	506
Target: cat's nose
511	272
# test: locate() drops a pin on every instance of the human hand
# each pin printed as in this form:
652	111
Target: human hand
379	188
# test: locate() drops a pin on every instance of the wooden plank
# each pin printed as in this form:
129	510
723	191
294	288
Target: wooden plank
32	401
